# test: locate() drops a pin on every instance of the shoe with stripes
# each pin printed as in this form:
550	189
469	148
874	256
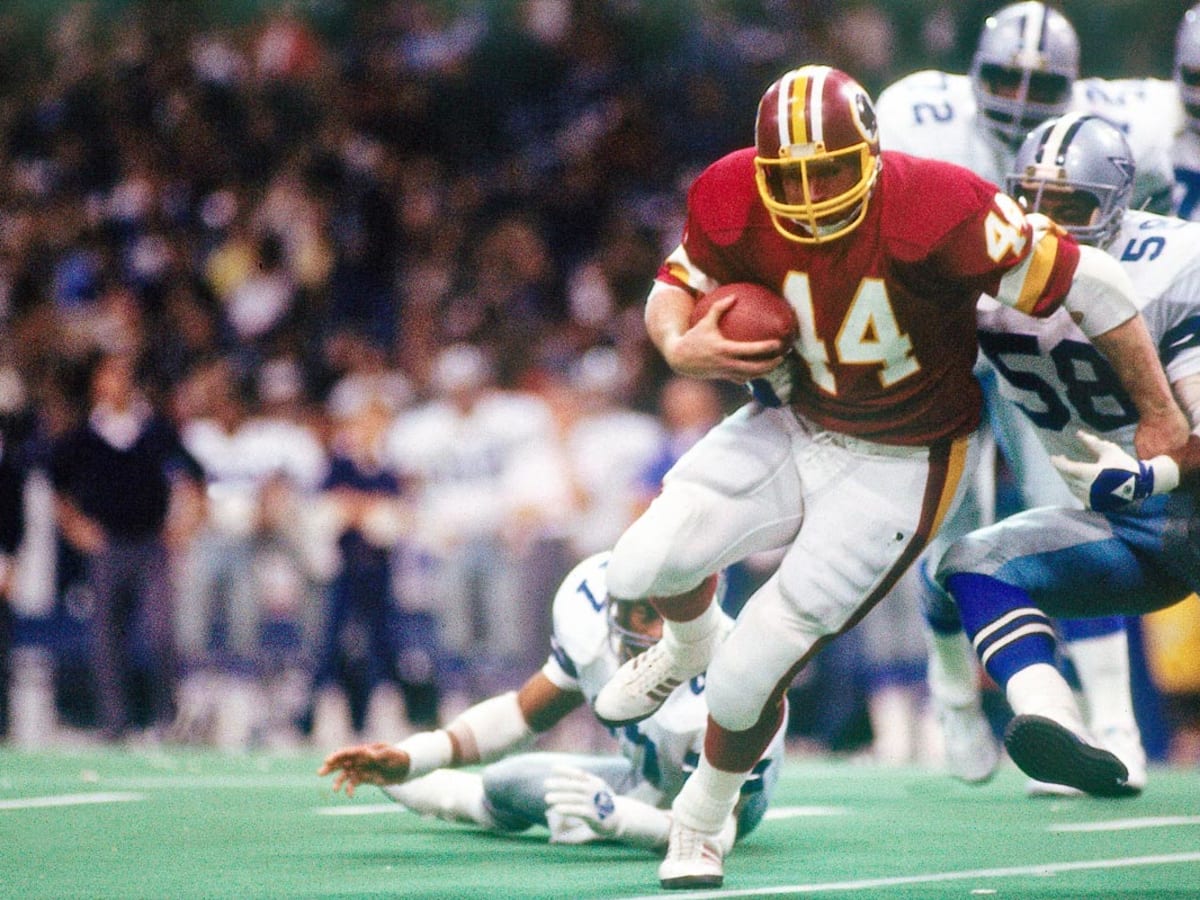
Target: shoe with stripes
642	685
694	859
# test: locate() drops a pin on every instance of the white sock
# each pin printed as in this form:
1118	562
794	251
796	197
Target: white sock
694	630
1102	664
953	670
708	798
1040	690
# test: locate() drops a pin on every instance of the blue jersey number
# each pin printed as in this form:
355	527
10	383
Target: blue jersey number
1092	387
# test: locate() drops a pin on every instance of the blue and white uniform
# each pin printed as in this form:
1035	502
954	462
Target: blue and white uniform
1076	562
656	755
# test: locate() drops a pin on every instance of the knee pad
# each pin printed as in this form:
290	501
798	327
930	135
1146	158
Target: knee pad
664	552
514	791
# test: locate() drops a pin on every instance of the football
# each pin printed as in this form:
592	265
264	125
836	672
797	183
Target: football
758	313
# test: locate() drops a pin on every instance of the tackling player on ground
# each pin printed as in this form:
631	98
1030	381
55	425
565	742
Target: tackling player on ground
623	797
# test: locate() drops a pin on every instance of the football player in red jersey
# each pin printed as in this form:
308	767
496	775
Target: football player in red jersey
862	436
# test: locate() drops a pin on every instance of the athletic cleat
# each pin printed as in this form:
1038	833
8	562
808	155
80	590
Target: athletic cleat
694	859
972	752
1049	751
642	685
1125	743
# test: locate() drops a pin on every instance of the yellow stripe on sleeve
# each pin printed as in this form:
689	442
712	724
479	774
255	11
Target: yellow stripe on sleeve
1038	267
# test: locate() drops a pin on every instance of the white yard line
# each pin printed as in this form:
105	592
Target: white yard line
933	877
69	800
191	782
801	812
1128	824
361	809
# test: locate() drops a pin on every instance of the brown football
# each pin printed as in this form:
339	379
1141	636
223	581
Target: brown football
758	313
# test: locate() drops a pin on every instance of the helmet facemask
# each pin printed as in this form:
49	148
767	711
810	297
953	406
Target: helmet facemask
1024	69
633	627
817	154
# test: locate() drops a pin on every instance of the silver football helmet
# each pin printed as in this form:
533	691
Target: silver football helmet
1024	68
1187	66
1078	170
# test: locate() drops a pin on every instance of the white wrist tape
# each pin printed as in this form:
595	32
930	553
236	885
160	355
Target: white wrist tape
1101	295
427	750
489	729
1166	474
640	824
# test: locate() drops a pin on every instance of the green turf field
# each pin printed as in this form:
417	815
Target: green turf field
167	824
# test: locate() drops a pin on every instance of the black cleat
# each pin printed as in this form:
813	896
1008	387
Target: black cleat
1050	752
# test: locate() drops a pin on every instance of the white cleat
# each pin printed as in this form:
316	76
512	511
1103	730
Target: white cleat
694	859
643	684
972	751
1125	743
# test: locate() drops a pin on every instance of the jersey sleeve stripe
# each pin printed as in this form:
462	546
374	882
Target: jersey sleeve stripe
1038	268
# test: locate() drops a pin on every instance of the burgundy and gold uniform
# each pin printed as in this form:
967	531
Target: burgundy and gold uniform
888	316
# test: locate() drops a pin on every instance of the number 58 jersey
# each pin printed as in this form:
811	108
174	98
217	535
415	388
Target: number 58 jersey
1061	382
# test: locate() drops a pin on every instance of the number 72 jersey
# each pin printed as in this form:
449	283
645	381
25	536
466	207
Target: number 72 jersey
1062	383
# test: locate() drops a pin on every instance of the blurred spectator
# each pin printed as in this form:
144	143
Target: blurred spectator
247	558
481	465
14	428
368	639
116	477
608	447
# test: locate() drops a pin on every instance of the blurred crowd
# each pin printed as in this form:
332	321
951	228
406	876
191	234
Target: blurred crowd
372	276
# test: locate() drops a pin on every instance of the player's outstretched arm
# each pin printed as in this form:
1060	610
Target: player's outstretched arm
484	732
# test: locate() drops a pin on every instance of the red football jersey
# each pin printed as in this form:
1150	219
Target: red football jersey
887	312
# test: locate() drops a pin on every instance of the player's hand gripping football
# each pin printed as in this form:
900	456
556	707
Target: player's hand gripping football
378	764
1115	479
704	352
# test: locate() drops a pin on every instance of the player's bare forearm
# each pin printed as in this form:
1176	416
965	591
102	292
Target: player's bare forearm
1129	348
544	704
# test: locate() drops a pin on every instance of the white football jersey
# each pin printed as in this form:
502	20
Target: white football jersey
1062	382
472	471
934	114
664	748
